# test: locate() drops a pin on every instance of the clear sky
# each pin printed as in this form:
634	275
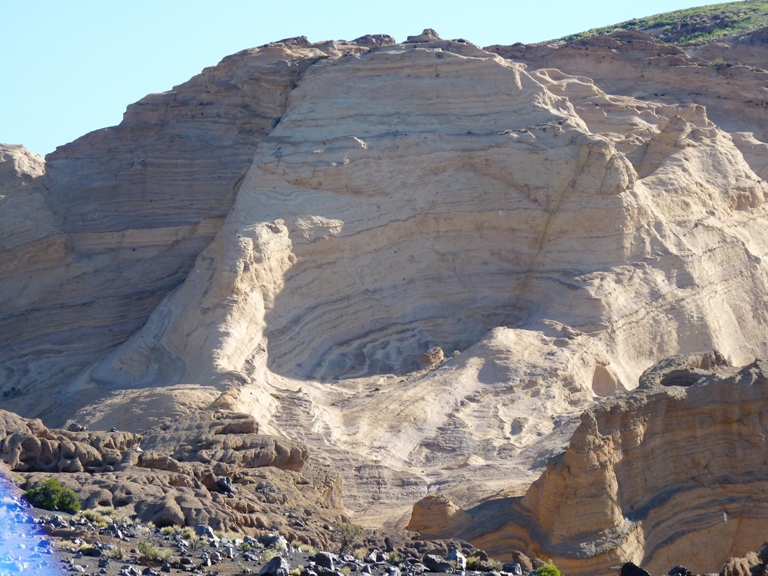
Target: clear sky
72	66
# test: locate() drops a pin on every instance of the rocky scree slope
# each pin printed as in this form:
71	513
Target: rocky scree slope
550	220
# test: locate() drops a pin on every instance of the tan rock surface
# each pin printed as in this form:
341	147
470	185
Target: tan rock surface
560	232
169	476
95	238
672	473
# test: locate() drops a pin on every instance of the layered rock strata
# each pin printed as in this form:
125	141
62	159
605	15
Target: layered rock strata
673	472
550	234
119	216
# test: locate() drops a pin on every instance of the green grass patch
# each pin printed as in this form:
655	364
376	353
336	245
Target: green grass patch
692	24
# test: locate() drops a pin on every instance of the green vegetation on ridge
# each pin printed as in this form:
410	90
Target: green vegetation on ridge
693	24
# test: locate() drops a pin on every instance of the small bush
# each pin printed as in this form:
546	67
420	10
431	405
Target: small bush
495	565
51	495
360	553
95	518
718	64
350	536
169	530
473	562
151	552
308	549
117	553
270	555
549	569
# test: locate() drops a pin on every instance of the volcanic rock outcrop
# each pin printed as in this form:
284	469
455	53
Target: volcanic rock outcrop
289	233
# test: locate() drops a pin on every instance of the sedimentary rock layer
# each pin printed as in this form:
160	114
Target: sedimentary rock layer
674	471
115	220
552	234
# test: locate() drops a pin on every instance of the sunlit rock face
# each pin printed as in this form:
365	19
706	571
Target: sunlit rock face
675	471
552	237
115	220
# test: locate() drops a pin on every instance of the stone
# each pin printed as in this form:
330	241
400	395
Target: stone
273	541
516	569
631	569
278	566
224	483
324	559
435	563
432	357
205	531
741	566
458	559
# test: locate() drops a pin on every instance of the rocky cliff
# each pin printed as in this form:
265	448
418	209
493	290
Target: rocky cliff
288	233
675	470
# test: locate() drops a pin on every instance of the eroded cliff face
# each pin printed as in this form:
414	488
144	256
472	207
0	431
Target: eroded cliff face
115	220
675	470
559	233
181	473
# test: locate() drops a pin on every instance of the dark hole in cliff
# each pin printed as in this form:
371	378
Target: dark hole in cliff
679	378
162	523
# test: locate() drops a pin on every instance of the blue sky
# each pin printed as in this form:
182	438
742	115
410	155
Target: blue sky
72	66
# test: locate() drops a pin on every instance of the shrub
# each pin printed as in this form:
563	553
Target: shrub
473	562
549	569
117	554
718	64
350	535
95	517
150	552
51	495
